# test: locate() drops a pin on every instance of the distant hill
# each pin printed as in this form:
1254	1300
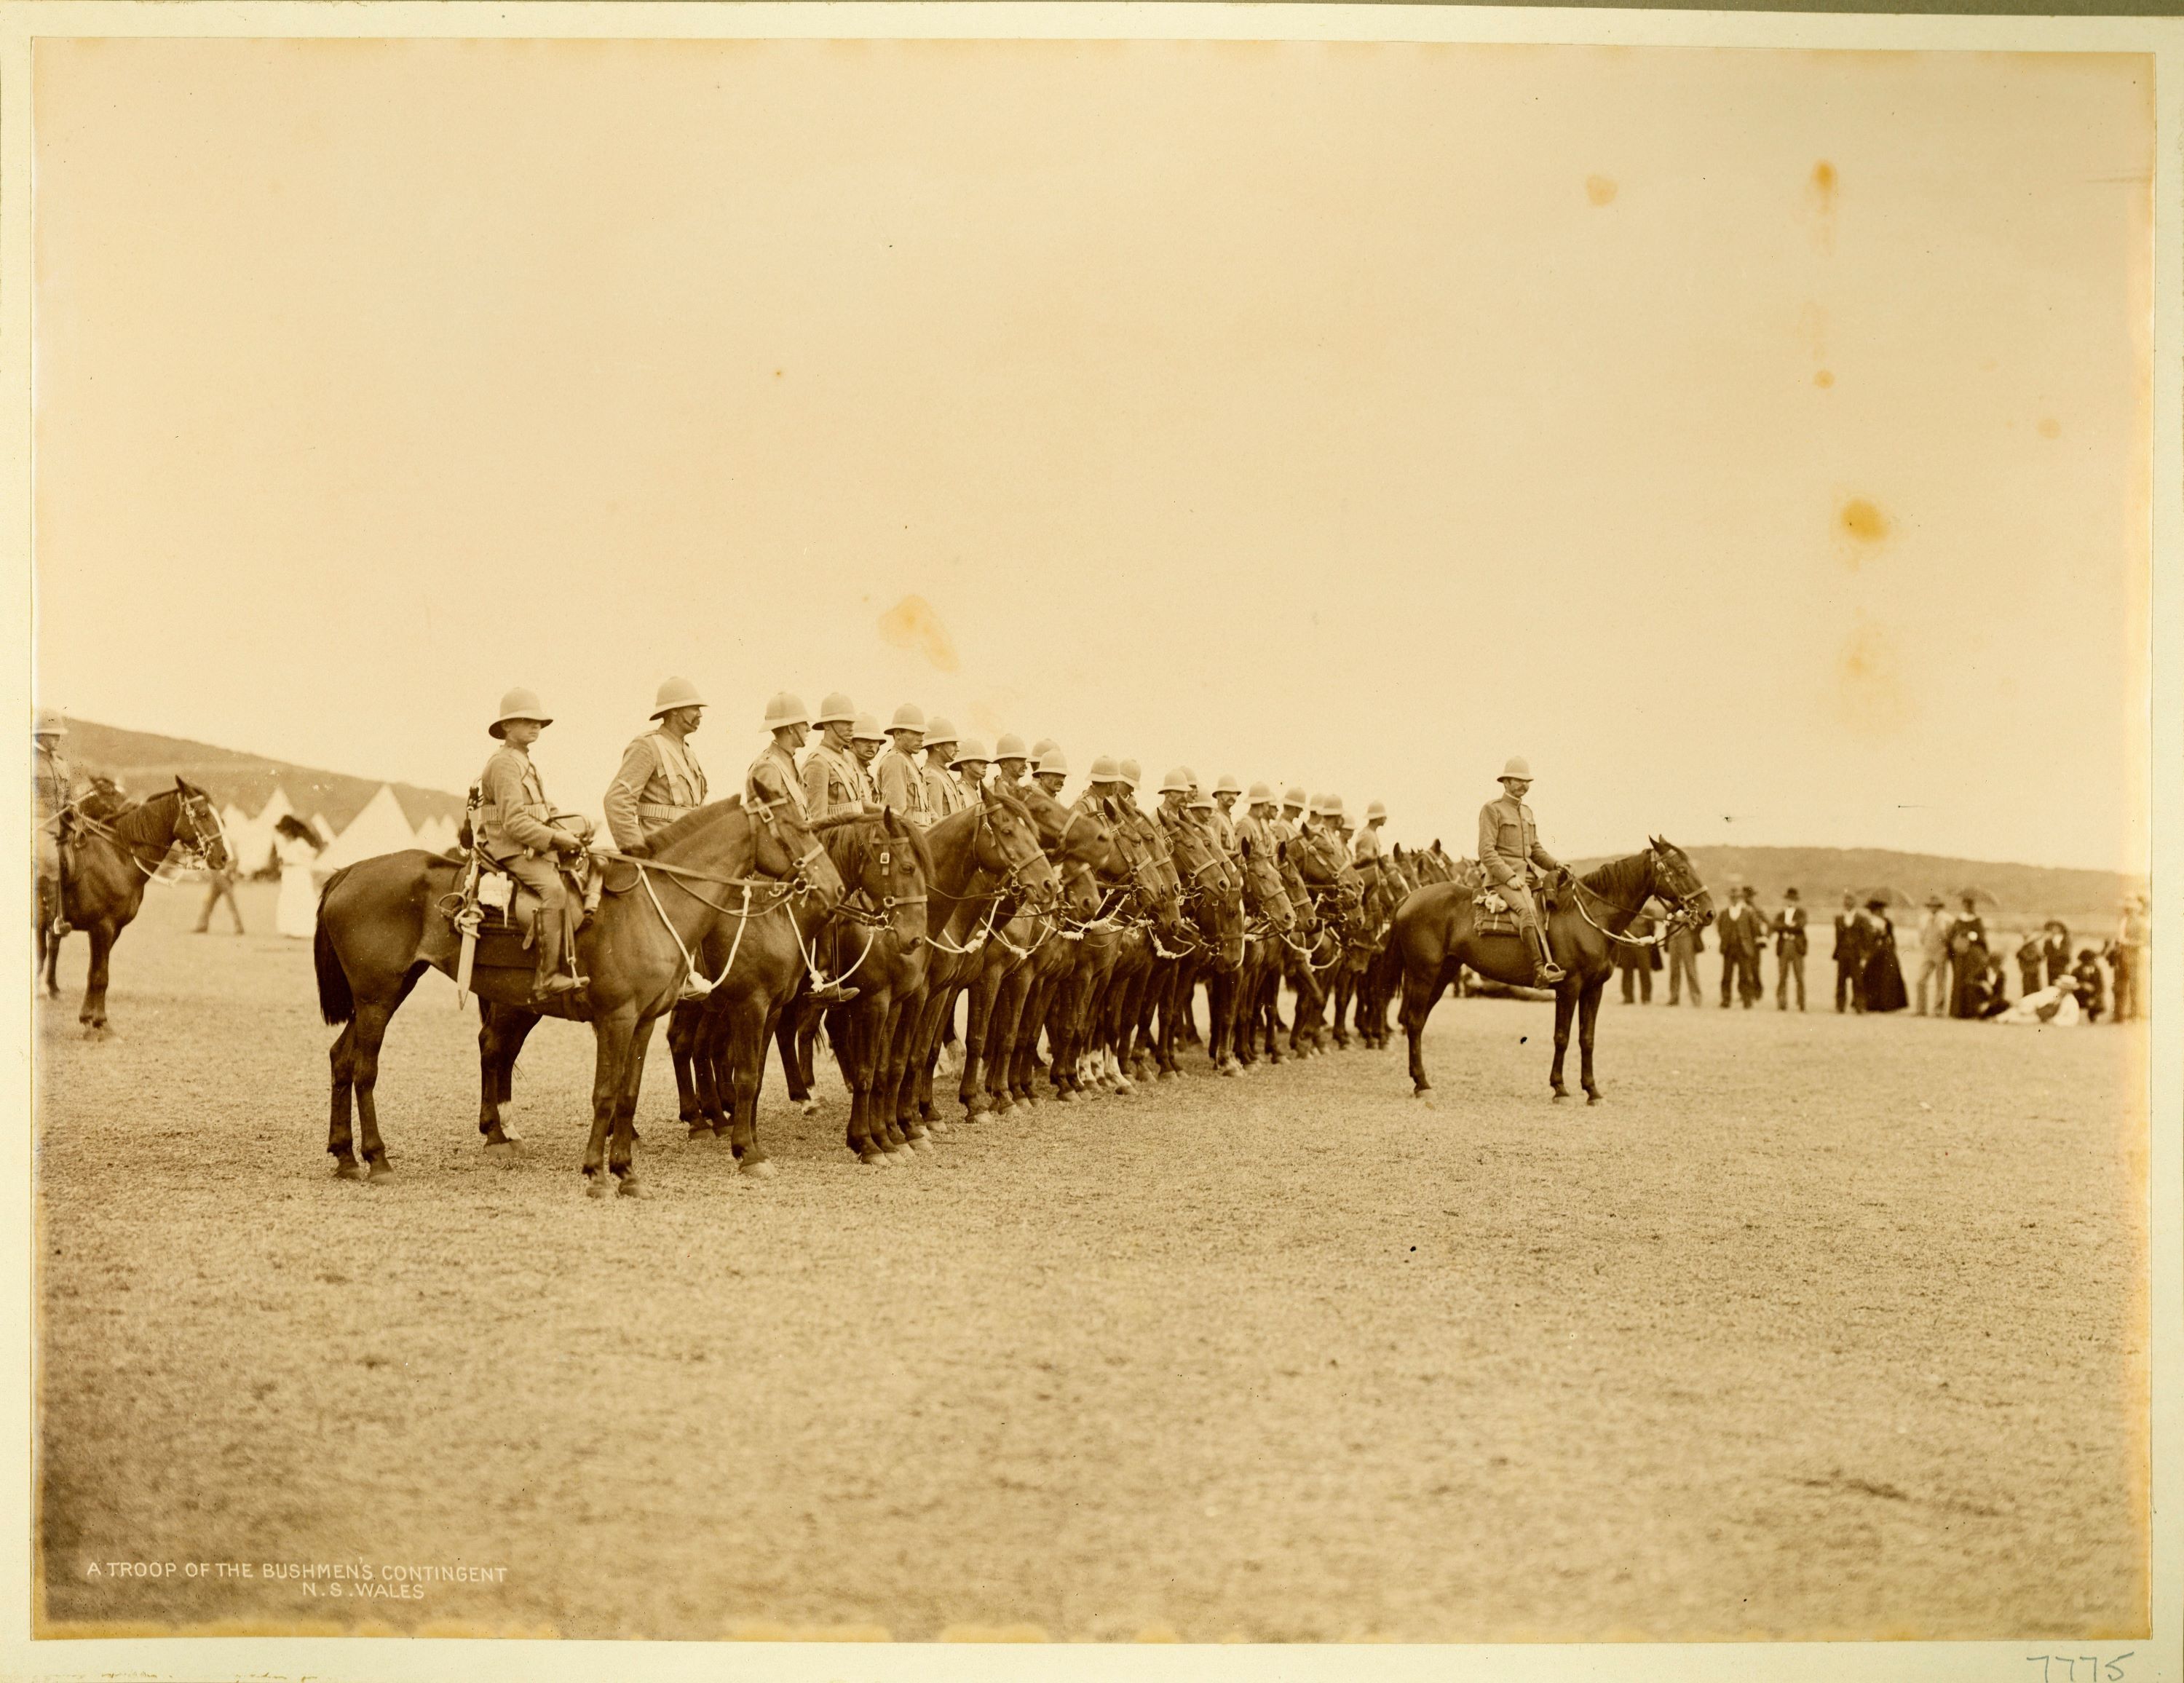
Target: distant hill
142	762
1820	874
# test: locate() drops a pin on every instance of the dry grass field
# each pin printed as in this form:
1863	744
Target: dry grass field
1819	1325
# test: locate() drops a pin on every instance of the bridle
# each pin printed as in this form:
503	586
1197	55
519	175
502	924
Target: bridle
1681	914
194	806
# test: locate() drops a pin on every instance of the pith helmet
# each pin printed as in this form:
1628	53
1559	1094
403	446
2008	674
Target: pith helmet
1201	802
1054	760
1518	767
48	723
1177	782
1189	777
1105	771
970	752
1296	797
866	729
785	709
675	693
1379	809
1045	746
939	733
1261	792
1226	783
910	716
1322	804
519	704
1133	774
837	709
1011	747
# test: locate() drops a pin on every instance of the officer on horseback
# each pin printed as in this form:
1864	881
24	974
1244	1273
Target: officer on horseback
942	793
865	739
969	765
1104	783
1291	824
898	778
1508	847
1226	789
773	776
52	783
1051	770
1012	759
518	830
833	781
1256	826
660	779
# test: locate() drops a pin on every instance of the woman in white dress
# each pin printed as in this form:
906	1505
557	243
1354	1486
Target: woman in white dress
298	849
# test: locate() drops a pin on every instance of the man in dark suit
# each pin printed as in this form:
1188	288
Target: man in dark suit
1740	932
1849	956
1789	945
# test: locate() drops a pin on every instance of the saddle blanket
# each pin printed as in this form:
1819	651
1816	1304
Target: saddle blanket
1490	915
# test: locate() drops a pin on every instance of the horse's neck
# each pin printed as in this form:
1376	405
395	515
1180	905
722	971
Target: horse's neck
148	827
955	868
1615	883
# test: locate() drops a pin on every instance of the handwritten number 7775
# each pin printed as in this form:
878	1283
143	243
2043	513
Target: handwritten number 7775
2070	1662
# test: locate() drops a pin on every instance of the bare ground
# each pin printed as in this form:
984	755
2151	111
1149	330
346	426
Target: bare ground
1819	1326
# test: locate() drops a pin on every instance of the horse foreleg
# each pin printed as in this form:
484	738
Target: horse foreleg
746	1077
970	1090
1565	1007
611	1036
1422	991
623	1160
93	1014
683	1038
1588	1013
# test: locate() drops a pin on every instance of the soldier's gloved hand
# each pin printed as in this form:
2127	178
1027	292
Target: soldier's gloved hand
638	850
565	842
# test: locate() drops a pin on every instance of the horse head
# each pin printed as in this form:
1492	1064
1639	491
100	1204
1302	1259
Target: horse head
197	825
783	846
1677	882
906	870
1006	845
1263	892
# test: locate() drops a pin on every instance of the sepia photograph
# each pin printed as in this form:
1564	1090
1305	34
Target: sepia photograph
1095	837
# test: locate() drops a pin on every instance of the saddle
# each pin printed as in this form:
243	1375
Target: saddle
505	913
1491	914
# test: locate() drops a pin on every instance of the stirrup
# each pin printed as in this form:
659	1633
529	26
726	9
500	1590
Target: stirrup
559	985
833	993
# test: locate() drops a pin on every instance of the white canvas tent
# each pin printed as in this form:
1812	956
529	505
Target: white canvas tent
380	827
437	834
252	840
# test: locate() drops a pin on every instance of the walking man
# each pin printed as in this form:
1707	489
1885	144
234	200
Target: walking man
1789	945
1933	956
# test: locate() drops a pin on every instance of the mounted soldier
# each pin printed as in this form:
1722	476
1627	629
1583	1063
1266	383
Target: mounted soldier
897	777
942	794
1256	826
866	737
1367	845
53	783
833	782
1012	759
1509	848
773	776
1051	770
1175	791
1226	789
661	779
519	830
1289	825
969	765
1133	778
1104	783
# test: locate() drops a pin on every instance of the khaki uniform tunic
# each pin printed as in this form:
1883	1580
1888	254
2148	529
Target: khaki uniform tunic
53	786
659	781
773	776
1509	841
942	794
515	825
1368	845
834	784
901	784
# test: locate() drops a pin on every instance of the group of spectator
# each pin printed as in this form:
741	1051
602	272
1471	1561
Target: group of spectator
1963	966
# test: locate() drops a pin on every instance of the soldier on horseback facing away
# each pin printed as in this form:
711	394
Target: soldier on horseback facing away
53	787
1508	847
520	831
660	779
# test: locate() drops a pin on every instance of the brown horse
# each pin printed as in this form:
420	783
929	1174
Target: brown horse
1434	936
382	922
110	850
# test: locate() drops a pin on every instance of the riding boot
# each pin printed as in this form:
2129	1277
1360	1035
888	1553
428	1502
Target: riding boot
1549	972
552	981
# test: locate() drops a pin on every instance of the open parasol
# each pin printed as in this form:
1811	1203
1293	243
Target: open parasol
1979	896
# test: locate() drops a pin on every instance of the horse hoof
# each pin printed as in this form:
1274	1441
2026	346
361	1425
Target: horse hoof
918	1142
500	1150
1000	1106
595	1185
347	1170
936	1124
759	1168
811	1108
1229	1070
1561	1094
1592	1098
382	1170
631	1187
701	1133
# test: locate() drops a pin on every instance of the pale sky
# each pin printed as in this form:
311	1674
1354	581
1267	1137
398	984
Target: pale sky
1754	439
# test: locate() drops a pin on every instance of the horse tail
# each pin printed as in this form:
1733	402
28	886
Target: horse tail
336	1002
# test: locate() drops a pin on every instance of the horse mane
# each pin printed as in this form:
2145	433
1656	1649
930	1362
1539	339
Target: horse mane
128	822
697	819
878	828
1612	880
